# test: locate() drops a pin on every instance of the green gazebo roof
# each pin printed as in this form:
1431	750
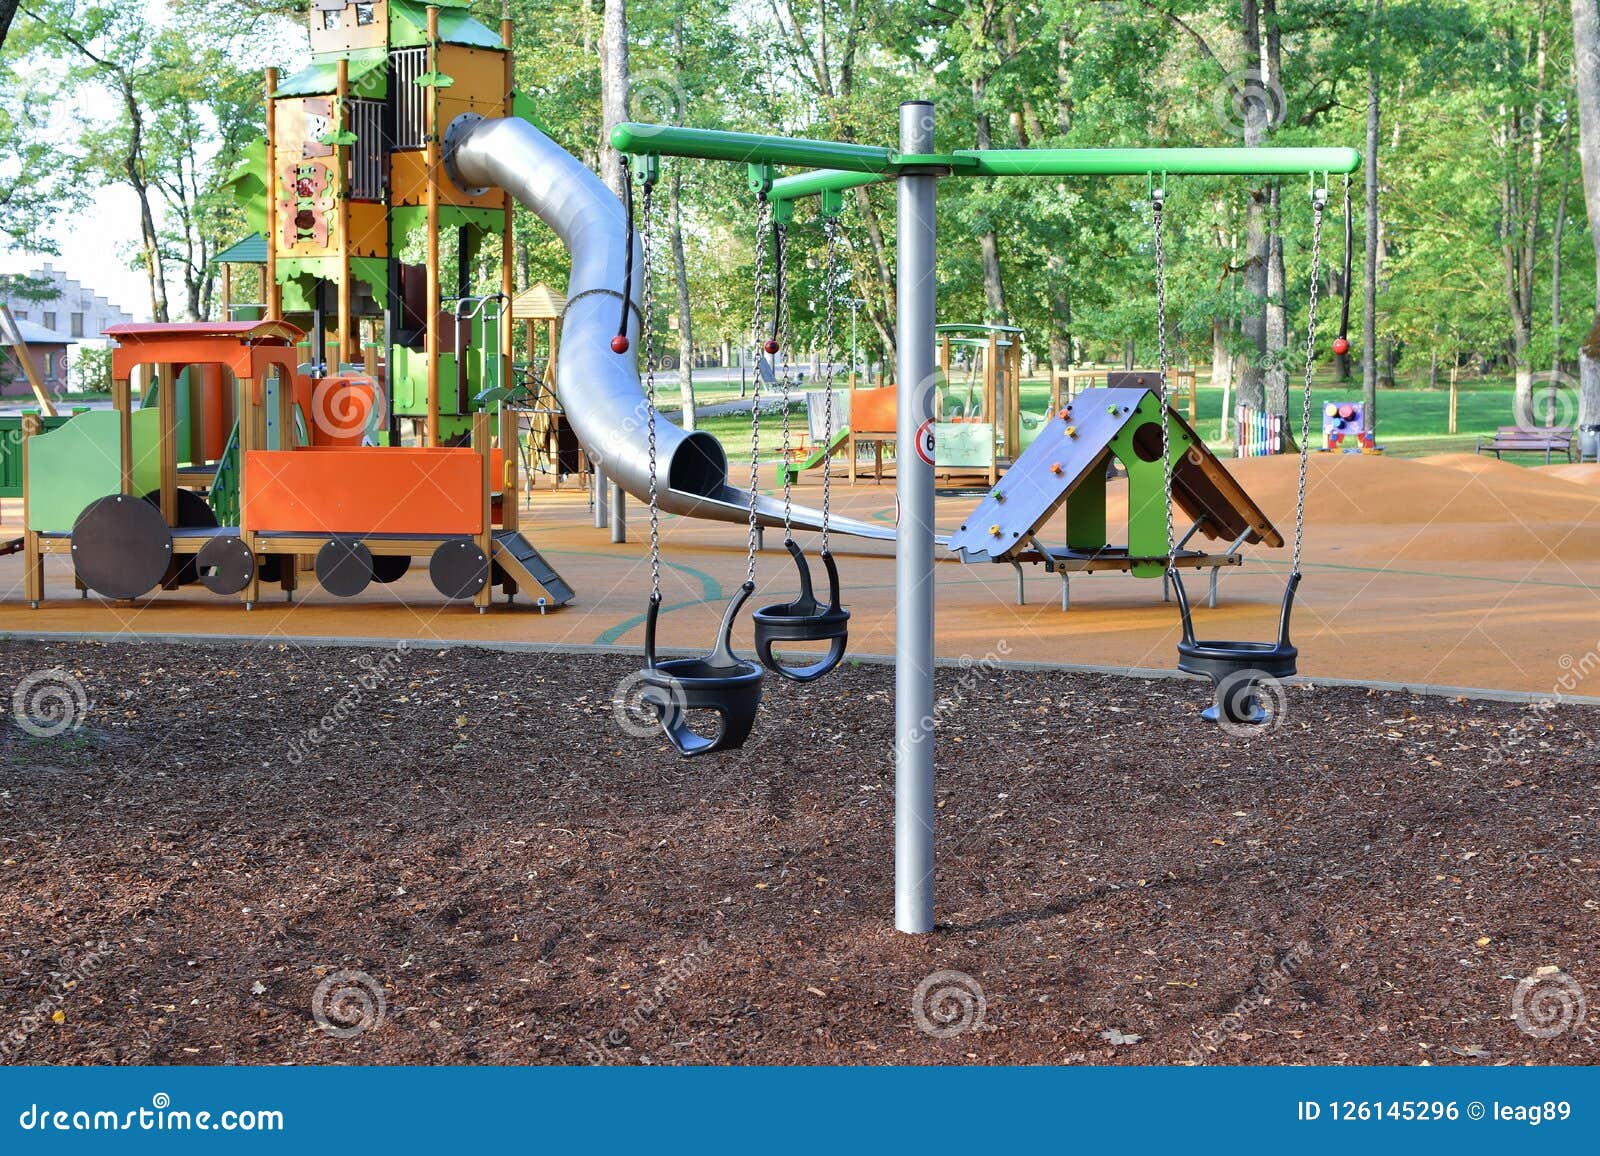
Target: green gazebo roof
251	250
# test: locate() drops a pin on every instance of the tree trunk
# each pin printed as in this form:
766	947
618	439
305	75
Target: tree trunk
1222	322
1369	288
1221	359
1557	236
1276	369
1064	45
1341	361
1060	311
133	168
8	9
613	90
1277	372
1253	324
680	269
1521	190
1586	54
994	292
880	312
680	264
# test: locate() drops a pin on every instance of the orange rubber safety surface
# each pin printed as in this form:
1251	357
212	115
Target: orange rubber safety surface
1455	571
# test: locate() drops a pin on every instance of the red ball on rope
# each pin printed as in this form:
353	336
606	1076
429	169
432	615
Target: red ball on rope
619	344
1340	346
771	346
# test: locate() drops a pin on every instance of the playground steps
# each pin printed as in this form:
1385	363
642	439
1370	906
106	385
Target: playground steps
223	493
525	566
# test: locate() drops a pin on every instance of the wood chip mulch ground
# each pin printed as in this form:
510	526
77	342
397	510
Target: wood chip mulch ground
469	862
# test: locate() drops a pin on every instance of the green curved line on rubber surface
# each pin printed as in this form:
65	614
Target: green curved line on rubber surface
710	591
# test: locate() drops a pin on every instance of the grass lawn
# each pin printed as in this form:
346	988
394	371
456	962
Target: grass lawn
1411	422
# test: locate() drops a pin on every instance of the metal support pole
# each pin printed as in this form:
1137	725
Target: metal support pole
913	566
619	513
600	496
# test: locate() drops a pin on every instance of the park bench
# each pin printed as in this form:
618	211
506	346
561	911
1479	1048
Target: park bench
1525	439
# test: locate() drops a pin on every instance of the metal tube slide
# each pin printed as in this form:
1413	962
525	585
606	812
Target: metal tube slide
600	389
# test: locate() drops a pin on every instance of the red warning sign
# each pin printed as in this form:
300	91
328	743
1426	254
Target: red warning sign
925	441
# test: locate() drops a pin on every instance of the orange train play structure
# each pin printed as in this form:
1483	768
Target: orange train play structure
133	496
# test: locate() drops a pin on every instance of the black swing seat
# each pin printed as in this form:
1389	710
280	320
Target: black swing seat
1237	668
804	620
720	682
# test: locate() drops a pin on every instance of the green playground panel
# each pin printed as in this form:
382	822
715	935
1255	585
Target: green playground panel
963	445
1147	513
410	382
414	218
1030	427
74	464
150	398
410	370
223	496
11	446
298	277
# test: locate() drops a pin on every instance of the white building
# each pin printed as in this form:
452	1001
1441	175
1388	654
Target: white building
76	313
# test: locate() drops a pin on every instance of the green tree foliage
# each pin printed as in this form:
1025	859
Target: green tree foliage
1478	179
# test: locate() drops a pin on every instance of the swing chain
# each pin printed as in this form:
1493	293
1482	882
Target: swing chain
1158	198
783	370
830	234
762	211
1319	201
648	293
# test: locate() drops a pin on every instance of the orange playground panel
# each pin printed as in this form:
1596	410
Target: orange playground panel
366	490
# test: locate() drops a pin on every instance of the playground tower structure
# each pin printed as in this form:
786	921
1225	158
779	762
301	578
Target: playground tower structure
356	191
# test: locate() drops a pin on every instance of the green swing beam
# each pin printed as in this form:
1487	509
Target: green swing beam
839	166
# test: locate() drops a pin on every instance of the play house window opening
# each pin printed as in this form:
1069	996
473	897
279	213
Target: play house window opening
366	156
410	100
